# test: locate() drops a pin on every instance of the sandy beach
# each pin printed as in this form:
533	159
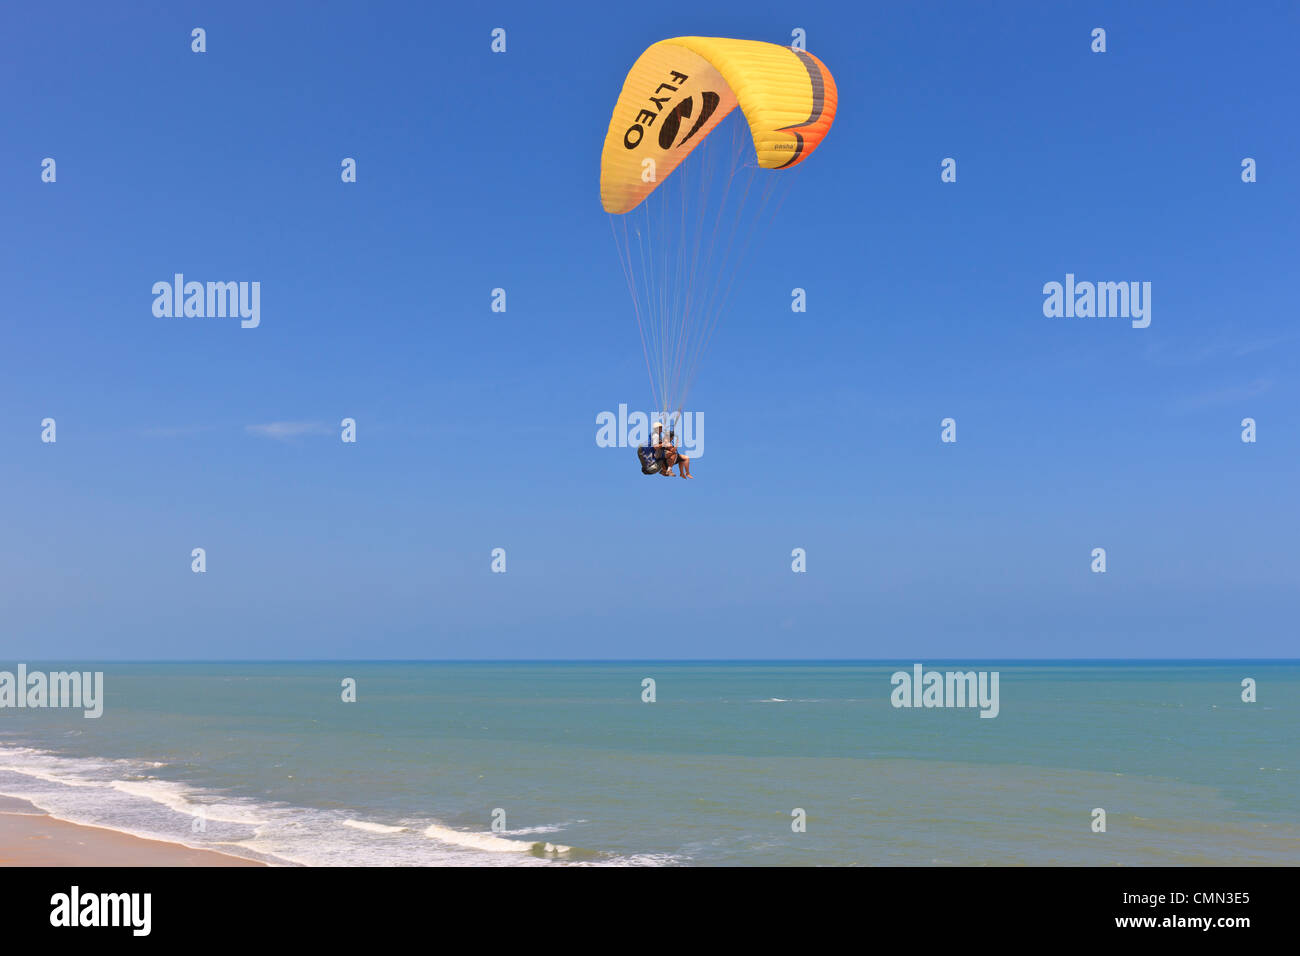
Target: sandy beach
31	837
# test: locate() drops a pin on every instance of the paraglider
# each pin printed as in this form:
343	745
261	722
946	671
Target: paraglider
682	230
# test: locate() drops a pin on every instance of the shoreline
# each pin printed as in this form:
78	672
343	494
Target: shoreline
31	837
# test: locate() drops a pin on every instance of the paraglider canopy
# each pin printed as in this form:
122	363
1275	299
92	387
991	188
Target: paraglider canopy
679	90
682	228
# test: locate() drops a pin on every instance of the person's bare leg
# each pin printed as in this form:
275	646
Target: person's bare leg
684	466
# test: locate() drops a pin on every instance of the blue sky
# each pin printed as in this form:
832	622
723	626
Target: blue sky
477	429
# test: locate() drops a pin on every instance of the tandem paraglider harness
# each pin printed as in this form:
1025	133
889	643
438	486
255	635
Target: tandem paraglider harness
654	460
650	465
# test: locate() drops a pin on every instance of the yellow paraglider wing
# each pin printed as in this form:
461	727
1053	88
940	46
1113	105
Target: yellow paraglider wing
680	89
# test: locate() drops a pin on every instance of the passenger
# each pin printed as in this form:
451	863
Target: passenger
667	452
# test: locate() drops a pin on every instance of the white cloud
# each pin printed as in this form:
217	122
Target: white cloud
286	430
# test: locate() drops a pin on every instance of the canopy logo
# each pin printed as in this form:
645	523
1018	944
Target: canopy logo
57	689
632	430
647	117
683	110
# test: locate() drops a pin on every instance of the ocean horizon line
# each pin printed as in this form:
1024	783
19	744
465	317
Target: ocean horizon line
669	660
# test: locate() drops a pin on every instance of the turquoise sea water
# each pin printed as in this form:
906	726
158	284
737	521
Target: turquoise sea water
265	760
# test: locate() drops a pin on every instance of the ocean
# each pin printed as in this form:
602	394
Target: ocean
266	760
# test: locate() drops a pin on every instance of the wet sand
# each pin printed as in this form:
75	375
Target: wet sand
31	837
